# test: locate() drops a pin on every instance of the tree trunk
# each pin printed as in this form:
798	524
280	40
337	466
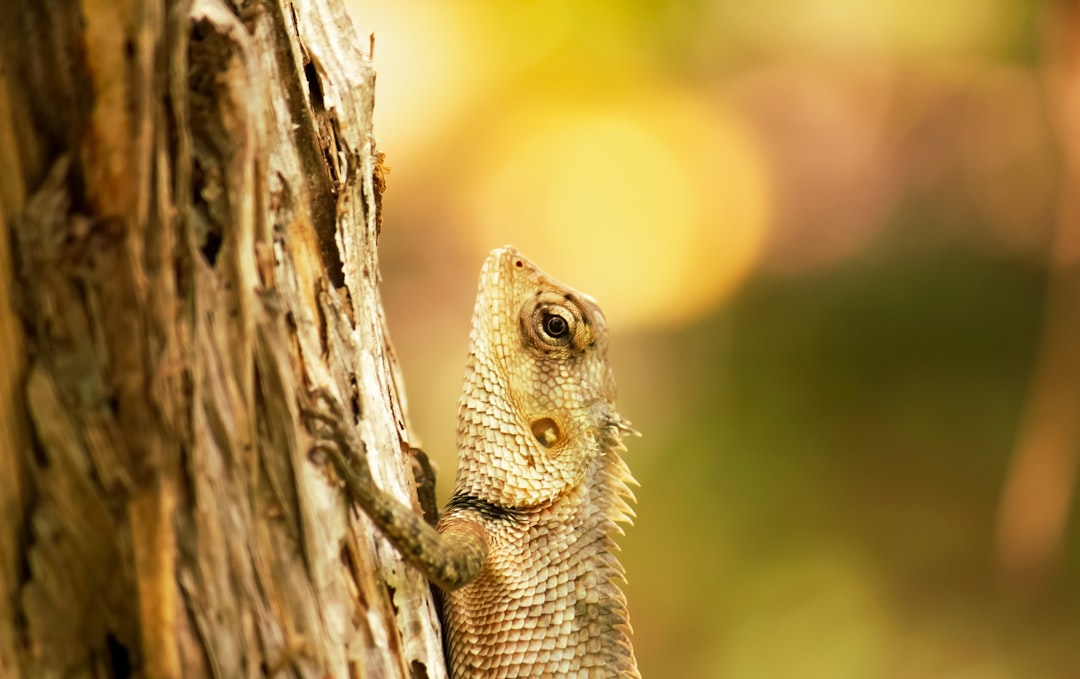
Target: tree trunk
190	194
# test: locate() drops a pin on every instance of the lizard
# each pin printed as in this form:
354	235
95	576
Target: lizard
525	552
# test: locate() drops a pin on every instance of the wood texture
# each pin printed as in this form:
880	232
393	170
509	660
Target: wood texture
189	193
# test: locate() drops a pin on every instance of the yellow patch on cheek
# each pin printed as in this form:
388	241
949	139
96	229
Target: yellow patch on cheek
546	431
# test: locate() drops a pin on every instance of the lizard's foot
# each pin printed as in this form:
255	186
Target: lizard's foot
336	438
332	428
323	407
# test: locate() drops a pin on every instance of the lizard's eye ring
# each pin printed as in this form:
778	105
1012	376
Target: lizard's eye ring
554	325
551	324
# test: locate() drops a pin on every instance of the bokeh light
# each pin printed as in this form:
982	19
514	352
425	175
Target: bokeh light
625	184
831	240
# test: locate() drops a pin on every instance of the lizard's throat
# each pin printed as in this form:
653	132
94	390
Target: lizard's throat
504	461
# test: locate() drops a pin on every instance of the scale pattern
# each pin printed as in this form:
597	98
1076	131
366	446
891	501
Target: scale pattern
525	551
540	472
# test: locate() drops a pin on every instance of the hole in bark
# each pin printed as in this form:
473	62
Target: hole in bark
418	670
314	86
354	398
390	592
118	657
211	246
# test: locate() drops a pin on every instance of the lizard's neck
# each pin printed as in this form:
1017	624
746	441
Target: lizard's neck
500	460
554	563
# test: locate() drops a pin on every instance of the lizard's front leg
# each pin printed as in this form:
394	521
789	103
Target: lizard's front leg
450	559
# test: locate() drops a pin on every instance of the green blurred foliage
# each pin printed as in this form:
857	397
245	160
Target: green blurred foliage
831	487
825	446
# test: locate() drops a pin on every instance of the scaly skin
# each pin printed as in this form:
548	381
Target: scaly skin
526	548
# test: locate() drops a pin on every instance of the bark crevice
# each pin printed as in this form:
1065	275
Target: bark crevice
192	241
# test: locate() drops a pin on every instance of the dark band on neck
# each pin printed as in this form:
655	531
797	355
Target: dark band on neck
488	510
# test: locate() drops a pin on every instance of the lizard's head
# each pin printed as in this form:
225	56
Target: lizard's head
538	402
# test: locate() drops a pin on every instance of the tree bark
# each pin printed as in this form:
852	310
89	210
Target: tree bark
189	191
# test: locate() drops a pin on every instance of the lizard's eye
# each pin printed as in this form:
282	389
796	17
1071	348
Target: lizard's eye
552	324
556	326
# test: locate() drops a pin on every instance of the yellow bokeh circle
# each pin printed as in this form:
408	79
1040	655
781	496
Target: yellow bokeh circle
656	207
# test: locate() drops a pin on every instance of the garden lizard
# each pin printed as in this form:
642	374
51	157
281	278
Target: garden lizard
525	551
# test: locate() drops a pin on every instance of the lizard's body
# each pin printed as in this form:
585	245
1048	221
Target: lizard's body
547	602
525	550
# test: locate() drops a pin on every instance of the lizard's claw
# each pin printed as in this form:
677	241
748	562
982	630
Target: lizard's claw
327	416
323	406
335	437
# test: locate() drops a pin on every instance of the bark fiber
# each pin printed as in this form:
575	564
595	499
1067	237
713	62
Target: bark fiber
189	196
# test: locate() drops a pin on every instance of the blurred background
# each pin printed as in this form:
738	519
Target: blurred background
837	244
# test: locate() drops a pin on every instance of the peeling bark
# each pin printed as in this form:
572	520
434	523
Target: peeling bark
189	192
